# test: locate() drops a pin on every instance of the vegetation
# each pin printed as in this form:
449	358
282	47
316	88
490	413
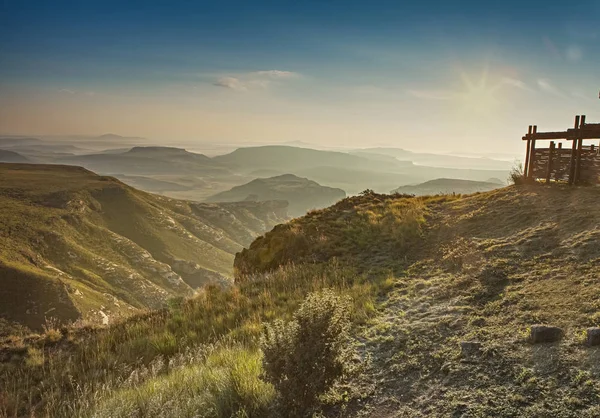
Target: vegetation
305	357
423	274
86	246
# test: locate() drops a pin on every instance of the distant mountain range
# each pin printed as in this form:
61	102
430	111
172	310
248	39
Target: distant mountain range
182	174
449	186
302	194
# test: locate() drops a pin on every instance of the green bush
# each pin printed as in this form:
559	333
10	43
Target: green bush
305	357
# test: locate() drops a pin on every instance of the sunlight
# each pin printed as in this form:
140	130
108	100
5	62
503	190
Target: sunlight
478	96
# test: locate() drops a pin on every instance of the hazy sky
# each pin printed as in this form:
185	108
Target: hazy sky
423	75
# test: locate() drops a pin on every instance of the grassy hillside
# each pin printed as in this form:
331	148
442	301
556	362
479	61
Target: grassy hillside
448	186
425	274
485	268
78	245
301	193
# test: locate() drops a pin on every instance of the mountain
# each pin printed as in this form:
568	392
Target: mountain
448	186
301	193
11	141
12	157
149	161
440	160
78	245
279	157
354	181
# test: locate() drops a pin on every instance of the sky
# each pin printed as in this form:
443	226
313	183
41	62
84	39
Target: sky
451	76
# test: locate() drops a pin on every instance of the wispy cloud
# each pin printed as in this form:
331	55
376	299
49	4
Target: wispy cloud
547	87
277	74
232	83
254	80
513	82
67	91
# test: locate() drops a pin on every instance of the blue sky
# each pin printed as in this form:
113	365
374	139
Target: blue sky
460	75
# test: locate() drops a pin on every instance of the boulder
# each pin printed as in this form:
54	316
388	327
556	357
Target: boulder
593	336
470	348
545	334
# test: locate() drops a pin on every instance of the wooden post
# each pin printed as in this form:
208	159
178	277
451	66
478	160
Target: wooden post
558	172
532	154
573	153
579	147
549	168
526	168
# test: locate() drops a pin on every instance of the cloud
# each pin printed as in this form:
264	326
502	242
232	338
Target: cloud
513	82
254	80
232	83
277	74
432	94
68	91
547	87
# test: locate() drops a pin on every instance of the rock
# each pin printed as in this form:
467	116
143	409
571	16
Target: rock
545	334
470	348
593	336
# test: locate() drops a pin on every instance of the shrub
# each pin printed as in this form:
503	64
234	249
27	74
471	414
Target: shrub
305	357
517	175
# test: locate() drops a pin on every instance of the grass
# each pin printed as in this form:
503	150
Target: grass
224	383
78	369
424	274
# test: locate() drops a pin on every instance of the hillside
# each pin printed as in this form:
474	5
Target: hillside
480	268
448	186
12	157
444	290
302	194
78	245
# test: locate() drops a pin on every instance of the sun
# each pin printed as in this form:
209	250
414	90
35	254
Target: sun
478	96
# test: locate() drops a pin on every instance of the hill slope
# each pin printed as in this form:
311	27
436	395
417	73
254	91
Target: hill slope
76	244
480	268
425	274
447	186
302	194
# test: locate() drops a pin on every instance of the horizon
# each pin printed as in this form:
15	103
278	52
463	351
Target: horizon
460	79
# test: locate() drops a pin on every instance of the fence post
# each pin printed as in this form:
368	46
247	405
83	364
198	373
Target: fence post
532	154
579	148
574	152
526	168
558	172
549	168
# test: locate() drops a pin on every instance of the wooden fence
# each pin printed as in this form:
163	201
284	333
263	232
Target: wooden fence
577	164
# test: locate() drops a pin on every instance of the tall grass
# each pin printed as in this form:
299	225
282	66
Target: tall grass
70	376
